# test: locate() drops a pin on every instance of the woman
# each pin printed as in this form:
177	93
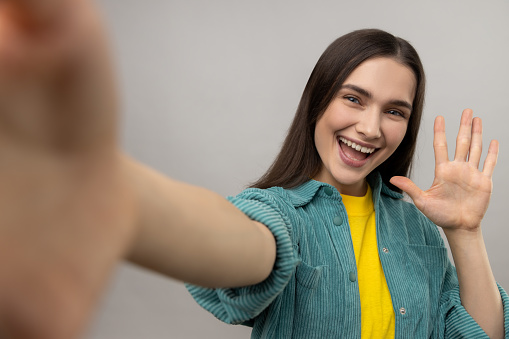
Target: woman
354	134
90	206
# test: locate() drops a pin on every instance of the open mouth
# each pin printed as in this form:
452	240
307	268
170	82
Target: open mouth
354	151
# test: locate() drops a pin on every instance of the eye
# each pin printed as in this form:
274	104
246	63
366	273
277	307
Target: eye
395	113
352	99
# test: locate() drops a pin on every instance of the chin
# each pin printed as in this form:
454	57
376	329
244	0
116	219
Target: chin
349	180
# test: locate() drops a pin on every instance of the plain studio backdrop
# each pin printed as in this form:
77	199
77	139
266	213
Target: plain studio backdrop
209	89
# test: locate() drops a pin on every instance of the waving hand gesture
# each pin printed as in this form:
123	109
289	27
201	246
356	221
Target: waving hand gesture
460	193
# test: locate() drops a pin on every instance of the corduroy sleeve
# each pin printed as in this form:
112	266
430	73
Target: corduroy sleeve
455	322
240	305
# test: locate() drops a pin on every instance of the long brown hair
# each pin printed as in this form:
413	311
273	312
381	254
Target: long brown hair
298	159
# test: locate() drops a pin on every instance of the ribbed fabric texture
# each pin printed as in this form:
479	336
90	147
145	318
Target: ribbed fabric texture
313	291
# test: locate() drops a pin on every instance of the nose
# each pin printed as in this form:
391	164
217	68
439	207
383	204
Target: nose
369	124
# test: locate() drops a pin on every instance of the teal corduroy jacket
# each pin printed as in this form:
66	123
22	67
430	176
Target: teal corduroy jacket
312	291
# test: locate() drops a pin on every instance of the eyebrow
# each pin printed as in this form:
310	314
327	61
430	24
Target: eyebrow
368	94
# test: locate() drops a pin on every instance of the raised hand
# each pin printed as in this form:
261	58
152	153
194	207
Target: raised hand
66	211
460	193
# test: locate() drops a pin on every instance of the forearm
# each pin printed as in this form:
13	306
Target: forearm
195	235
478	289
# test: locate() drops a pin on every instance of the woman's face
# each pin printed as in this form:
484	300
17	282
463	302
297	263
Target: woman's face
364	123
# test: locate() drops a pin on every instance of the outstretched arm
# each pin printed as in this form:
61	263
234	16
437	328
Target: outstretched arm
71	204
457	202
195	235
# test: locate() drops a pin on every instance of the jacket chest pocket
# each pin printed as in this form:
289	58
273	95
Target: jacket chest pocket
308	276
312	302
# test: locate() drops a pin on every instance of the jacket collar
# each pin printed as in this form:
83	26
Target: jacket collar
303	194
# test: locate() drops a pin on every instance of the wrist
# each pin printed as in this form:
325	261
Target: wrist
461	233
461	240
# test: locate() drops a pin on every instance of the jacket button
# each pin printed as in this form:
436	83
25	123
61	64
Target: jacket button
385	250
338	221
328	190
402	311
352	276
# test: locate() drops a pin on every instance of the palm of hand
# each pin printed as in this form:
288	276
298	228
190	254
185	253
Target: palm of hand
460	193
66	209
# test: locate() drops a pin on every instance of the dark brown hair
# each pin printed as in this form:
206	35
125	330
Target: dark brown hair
298	159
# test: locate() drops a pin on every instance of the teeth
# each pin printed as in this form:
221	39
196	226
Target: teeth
357	147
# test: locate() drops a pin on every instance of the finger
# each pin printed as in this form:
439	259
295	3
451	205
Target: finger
464	136
408	186
474	155
440	141
491	159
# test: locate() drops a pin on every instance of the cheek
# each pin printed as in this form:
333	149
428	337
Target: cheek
395	135
318	138
323	129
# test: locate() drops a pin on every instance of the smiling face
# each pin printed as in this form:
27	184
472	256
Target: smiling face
364	123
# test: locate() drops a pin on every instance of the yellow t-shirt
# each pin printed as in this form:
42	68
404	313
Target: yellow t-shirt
377	313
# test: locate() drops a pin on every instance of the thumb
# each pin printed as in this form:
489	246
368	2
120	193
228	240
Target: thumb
408	187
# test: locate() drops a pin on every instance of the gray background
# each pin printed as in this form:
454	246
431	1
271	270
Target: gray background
209	89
